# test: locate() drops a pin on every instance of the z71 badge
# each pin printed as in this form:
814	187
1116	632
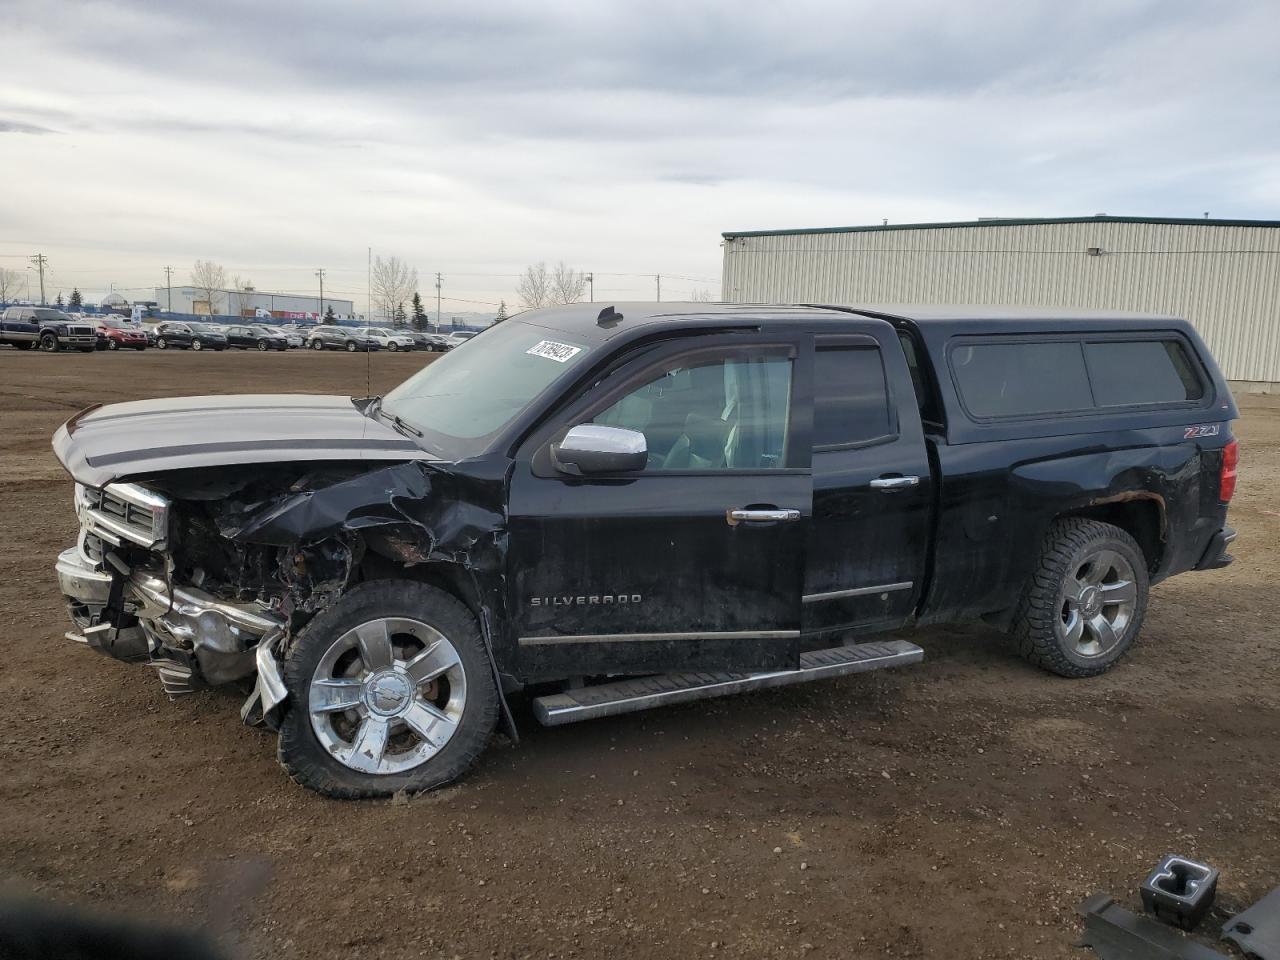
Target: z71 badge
1205	430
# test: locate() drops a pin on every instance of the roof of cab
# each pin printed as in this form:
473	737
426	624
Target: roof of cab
583	319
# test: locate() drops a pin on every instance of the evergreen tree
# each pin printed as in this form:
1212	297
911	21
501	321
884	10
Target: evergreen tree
400	318
502	312
420	319
329	315
57	301
76	301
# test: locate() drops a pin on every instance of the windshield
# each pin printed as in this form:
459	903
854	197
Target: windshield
204	328
45	313
369	332
113	324
462	399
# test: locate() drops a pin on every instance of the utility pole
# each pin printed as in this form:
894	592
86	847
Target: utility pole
658	278
368	306
320	274
40	260
168	282
591	284
437	303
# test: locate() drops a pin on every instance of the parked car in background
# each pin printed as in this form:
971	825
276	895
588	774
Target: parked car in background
392	340
253	337
292	336
426	341
340	338
117	334
187	335
48	328
459	337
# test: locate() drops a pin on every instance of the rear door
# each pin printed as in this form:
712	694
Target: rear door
872	487
693	563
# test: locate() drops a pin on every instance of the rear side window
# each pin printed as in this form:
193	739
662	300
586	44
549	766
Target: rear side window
850	397
1021	379
1126	372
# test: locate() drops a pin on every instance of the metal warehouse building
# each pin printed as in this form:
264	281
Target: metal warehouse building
244	303
1222	275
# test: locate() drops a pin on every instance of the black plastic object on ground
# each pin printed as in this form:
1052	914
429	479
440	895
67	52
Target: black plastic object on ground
1257	930
1116	934
1180	891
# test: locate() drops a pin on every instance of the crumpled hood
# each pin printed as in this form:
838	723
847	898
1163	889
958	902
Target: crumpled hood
102	444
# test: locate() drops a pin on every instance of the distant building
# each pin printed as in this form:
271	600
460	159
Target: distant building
238	303
1219	274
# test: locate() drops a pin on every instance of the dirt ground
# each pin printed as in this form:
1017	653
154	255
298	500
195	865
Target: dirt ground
960	808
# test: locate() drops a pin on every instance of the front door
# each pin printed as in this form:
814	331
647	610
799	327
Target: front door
693	563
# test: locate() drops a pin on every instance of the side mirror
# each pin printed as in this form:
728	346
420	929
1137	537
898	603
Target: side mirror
596	448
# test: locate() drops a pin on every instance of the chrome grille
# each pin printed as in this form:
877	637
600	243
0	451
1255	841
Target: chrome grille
124	511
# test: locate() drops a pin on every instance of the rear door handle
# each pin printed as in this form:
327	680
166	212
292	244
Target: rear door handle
894	483
772	515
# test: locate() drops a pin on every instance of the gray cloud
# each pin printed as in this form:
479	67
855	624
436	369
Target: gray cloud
480	137
16	126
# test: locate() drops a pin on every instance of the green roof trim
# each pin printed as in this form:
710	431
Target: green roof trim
1009	222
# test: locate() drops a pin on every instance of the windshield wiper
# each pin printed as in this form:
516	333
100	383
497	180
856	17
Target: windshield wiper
405	428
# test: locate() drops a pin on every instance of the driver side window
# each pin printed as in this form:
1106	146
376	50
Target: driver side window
729	413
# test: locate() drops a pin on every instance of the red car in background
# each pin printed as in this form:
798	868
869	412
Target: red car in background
117	335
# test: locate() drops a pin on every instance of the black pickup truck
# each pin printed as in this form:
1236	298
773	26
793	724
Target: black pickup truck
609	510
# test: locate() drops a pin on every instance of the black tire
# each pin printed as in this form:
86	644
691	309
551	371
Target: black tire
393	346
351	346
197	344
1039	628
263	345
303	756
317	345
162	343
24	345
140	349
113	345
49	343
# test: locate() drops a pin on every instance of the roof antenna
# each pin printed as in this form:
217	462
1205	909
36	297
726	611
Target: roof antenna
609	317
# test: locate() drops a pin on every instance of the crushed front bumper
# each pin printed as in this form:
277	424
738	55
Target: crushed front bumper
191	637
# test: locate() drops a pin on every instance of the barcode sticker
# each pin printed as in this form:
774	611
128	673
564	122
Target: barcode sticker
559	352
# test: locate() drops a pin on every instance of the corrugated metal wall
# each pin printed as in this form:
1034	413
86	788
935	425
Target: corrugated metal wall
1224	279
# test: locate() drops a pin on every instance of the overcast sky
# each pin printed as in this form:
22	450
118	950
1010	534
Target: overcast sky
474	138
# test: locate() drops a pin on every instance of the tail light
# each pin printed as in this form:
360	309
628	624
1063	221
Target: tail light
1227	477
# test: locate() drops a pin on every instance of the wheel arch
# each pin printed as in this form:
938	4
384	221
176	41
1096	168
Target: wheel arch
1140	513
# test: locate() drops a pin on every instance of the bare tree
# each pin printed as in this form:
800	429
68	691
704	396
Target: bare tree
10	280
535	287
209	278
393	282
242	295
567	285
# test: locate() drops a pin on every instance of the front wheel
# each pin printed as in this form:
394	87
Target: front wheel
317	345
197	345
390	689
1083	607
49	343
113	345
263	345
162	343
393	346
351	346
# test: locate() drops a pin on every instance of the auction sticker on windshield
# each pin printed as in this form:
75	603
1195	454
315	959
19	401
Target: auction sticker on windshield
559	352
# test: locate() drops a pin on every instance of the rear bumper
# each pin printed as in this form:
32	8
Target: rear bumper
1215	554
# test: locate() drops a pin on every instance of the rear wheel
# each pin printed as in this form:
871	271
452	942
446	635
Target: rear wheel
1084	605
113	345
351	346
24	345
197	345
317	345
263	345
390	689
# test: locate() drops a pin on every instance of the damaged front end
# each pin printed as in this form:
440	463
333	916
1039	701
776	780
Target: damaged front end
208	576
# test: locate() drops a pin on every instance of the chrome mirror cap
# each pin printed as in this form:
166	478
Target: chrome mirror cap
597	448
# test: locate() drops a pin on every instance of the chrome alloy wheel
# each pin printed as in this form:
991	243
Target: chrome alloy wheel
387	696
1097	603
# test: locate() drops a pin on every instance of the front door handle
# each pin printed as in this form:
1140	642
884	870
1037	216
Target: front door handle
762	515
894	483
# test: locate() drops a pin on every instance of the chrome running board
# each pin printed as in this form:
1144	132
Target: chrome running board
642	693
